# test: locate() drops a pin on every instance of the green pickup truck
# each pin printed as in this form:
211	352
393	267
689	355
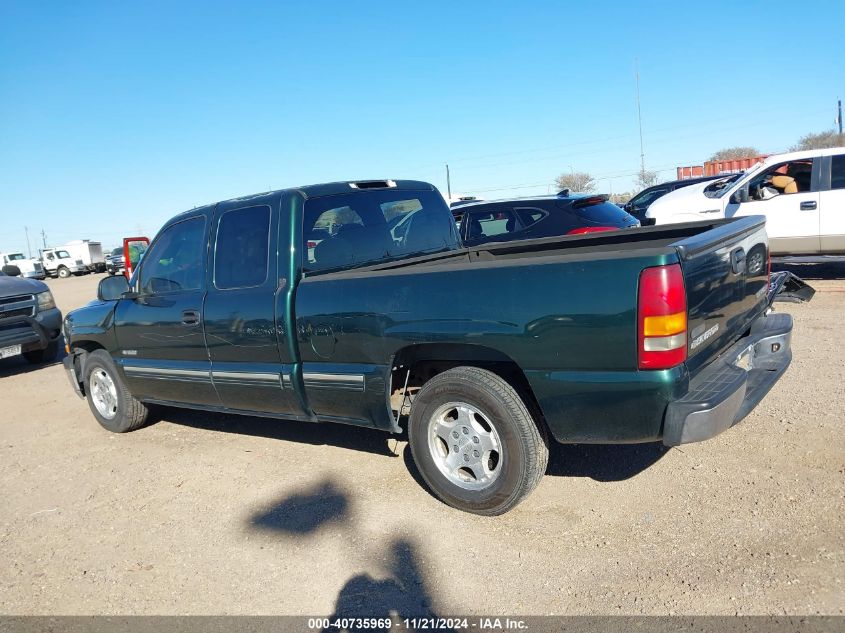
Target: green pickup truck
355	302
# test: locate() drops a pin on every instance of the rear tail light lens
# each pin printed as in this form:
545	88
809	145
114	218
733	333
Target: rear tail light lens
661	318
312	244
592	229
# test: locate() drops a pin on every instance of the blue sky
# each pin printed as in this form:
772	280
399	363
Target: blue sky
114	116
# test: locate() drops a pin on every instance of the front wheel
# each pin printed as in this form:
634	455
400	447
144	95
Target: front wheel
64	273
475	442
115	408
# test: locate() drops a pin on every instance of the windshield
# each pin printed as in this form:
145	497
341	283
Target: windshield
15	257
718	188
117	251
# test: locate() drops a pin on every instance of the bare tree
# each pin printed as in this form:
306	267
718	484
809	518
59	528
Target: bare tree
576	181
646	179
732	153
820	141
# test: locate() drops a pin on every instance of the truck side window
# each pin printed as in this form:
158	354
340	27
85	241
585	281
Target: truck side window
175	261
242	252
782	179
837	172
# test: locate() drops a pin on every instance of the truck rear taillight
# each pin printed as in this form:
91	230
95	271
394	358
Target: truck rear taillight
661	318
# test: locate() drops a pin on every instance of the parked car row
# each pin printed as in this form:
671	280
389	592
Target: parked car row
74	258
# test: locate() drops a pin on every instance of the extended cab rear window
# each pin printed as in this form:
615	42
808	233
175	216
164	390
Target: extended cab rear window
356	229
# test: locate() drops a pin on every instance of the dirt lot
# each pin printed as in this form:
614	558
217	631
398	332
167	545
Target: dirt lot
205	513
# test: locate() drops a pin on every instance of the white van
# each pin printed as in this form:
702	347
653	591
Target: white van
802	195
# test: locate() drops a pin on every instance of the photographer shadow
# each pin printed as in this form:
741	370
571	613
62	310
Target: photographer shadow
401	594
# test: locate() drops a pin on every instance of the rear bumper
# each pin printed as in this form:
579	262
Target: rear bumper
725	392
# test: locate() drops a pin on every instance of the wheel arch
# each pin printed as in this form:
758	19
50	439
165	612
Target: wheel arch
79	351
416	364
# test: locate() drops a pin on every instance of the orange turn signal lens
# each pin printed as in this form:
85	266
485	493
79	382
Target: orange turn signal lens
665	325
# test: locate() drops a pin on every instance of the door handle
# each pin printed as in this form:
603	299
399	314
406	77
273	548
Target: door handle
190	317
810	205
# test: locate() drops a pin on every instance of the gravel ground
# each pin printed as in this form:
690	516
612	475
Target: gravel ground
213	514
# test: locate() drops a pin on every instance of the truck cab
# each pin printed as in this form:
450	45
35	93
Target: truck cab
30	268
58	262
801	195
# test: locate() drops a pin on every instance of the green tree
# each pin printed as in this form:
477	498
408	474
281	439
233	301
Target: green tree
831	138
576	181
732	153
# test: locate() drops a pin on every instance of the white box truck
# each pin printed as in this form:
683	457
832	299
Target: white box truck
90	252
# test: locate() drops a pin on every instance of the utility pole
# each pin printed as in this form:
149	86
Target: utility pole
28	247
839	118
448	184
640	117
44	237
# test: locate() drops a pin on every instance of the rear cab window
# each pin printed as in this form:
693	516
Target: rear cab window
350	230
241	255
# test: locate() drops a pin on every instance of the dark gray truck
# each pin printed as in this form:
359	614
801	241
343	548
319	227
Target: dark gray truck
355	302
30	322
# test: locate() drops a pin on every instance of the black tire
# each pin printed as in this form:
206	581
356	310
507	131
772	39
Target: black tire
45	355
524	449
130	413
63	272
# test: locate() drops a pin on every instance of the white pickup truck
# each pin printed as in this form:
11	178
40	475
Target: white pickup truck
802	195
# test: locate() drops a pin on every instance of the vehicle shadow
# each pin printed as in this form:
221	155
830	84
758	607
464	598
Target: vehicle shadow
603	462
17	365
600	462
400	593
822	270
340	435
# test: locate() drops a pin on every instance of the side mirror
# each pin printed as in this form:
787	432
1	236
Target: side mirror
738	197
12	271
112	288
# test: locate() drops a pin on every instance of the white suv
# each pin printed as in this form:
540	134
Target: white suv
802	195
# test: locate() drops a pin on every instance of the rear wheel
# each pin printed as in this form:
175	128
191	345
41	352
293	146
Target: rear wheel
475	442
63	272
115	408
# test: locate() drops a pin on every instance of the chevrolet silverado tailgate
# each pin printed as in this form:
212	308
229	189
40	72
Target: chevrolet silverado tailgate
726	278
